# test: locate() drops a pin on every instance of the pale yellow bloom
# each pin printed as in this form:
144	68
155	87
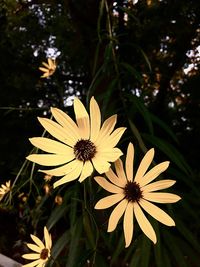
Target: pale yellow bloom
49	69
4	189
84	145
41	251
133	195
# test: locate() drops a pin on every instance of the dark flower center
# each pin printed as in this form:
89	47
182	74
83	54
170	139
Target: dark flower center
132	192
44	254
84	150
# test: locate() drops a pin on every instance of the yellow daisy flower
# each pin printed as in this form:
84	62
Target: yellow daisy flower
49	68
42	252
4	189
133	195
83	147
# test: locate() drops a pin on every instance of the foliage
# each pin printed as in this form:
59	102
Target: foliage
133	58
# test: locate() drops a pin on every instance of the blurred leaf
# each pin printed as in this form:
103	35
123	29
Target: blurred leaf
57	213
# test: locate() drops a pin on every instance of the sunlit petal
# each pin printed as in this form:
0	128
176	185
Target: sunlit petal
49	159
95	119
129	162
32	264
110	154
100	165
157	213
144	223
120	170
37	241
34	247
109	201
128	224
115	179
107	185
163	184
47	238
116	215
161	197
31	256
86	171
144	165
82	118
153	173
114	138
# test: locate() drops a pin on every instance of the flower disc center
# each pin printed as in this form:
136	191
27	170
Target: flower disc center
44	254
84	150
132	192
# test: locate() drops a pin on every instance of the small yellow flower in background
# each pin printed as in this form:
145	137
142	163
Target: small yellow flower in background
49	69
42	252
58	200
83	147
4	189
48	177
133	195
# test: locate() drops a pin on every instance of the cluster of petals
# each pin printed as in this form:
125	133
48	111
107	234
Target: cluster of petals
65	152
49	68
4	189
41	251
131	195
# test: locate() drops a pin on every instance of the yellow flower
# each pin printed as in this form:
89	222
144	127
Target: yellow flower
4	189
83	147
42	251
133	195
49	68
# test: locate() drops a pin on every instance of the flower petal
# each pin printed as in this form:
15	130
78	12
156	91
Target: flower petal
32	264
57	131
47	238
51	146
82	118
144	224
100	164
115	179
37	241
111	154
86	171
31	256
108	186
106	129
108	201
95	119
153	173
120	170
34	247
128	224
129	162
114	138
44	69
49	160
63	119
157	213
144	165
159	185
45	64
70	176
63	170
161	197
116	215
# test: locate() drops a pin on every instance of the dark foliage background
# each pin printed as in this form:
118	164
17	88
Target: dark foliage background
140	60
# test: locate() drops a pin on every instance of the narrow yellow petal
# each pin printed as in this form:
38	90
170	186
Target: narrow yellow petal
108	186
161	197
86	171
144	165
56	131
109	201
47	238
82	118
128	224
116	215
159	185
106	129
95	119
50	62
43	69
153	173
120	170
63	119
63	170
34	247
100	165
129	162
37	241
114	138
115	179
111	154
51	146
31	256
157	213
70	176
144	224
32	264
49	159
45	75
45	64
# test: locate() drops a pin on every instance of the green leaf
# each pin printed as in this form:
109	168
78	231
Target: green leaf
57	213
